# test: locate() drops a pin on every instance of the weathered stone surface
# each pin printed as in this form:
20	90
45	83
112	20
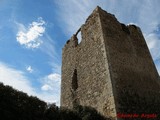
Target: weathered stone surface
114	69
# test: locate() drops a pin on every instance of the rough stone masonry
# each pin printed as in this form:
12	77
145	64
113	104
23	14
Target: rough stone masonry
111	69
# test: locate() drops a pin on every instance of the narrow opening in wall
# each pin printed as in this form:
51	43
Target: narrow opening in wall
79	37
74	80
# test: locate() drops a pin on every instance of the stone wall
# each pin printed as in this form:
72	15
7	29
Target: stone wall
88	58
110	65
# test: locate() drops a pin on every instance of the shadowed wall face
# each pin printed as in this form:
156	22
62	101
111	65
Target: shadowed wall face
133	74
110	70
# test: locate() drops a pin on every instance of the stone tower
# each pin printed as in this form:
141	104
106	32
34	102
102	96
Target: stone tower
111	69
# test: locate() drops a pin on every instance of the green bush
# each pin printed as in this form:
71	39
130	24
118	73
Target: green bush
16	105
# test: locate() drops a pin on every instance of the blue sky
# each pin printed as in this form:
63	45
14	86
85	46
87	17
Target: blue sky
33	33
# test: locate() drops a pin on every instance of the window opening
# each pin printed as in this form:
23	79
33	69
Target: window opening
74	80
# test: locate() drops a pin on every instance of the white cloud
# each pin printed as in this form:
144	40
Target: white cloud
29	36
51	82
16	79
29	69
51	85
46	87
54	77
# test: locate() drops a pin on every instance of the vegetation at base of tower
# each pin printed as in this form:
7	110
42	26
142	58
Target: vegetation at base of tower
16	105
88	113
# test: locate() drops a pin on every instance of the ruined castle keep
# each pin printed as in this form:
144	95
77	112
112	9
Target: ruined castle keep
111	69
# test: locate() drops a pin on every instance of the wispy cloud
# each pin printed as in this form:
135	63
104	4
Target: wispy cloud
48	46
29	36
149	15
73	13
17	79
144	13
